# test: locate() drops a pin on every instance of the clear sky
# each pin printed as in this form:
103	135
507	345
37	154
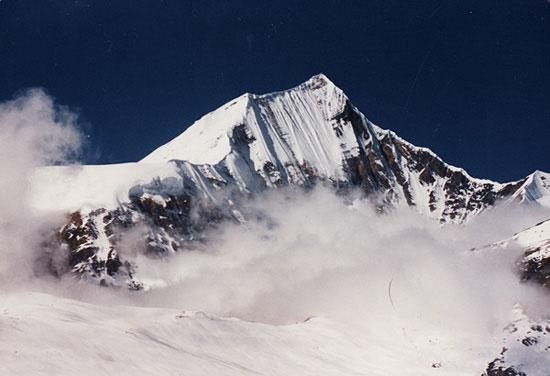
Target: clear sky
470	79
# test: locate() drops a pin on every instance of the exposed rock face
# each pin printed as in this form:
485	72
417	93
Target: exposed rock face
498	368
164	221
523	339
91	240
535	265
306	136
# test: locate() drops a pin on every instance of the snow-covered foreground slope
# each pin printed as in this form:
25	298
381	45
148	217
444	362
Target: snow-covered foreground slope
46	335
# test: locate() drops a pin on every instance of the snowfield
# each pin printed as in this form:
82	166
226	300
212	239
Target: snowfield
47	335
68	188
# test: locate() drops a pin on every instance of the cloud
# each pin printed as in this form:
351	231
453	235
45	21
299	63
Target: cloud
319	256
34	131
399	279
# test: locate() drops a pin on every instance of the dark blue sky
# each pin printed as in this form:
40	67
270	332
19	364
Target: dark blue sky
469	79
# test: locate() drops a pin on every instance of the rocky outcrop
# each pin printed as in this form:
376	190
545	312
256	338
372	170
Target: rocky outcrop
523	339
534	243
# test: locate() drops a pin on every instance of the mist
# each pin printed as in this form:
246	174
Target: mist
317	255
34	131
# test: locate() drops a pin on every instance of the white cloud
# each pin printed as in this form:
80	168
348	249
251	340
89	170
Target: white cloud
34	131
325	258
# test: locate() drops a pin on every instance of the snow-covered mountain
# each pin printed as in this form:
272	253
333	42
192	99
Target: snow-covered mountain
119	218
301	137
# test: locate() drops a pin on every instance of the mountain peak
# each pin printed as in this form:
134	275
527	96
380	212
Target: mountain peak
303	108
541	174
320	78
313	130
320	81
535	189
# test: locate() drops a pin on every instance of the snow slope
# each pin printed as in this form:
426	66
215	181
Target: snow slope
534	235
536	244
69	188
525	348
47	335
535	241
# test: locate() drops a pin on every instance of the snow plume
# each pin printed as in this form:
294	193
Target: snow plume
317	255
34	131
